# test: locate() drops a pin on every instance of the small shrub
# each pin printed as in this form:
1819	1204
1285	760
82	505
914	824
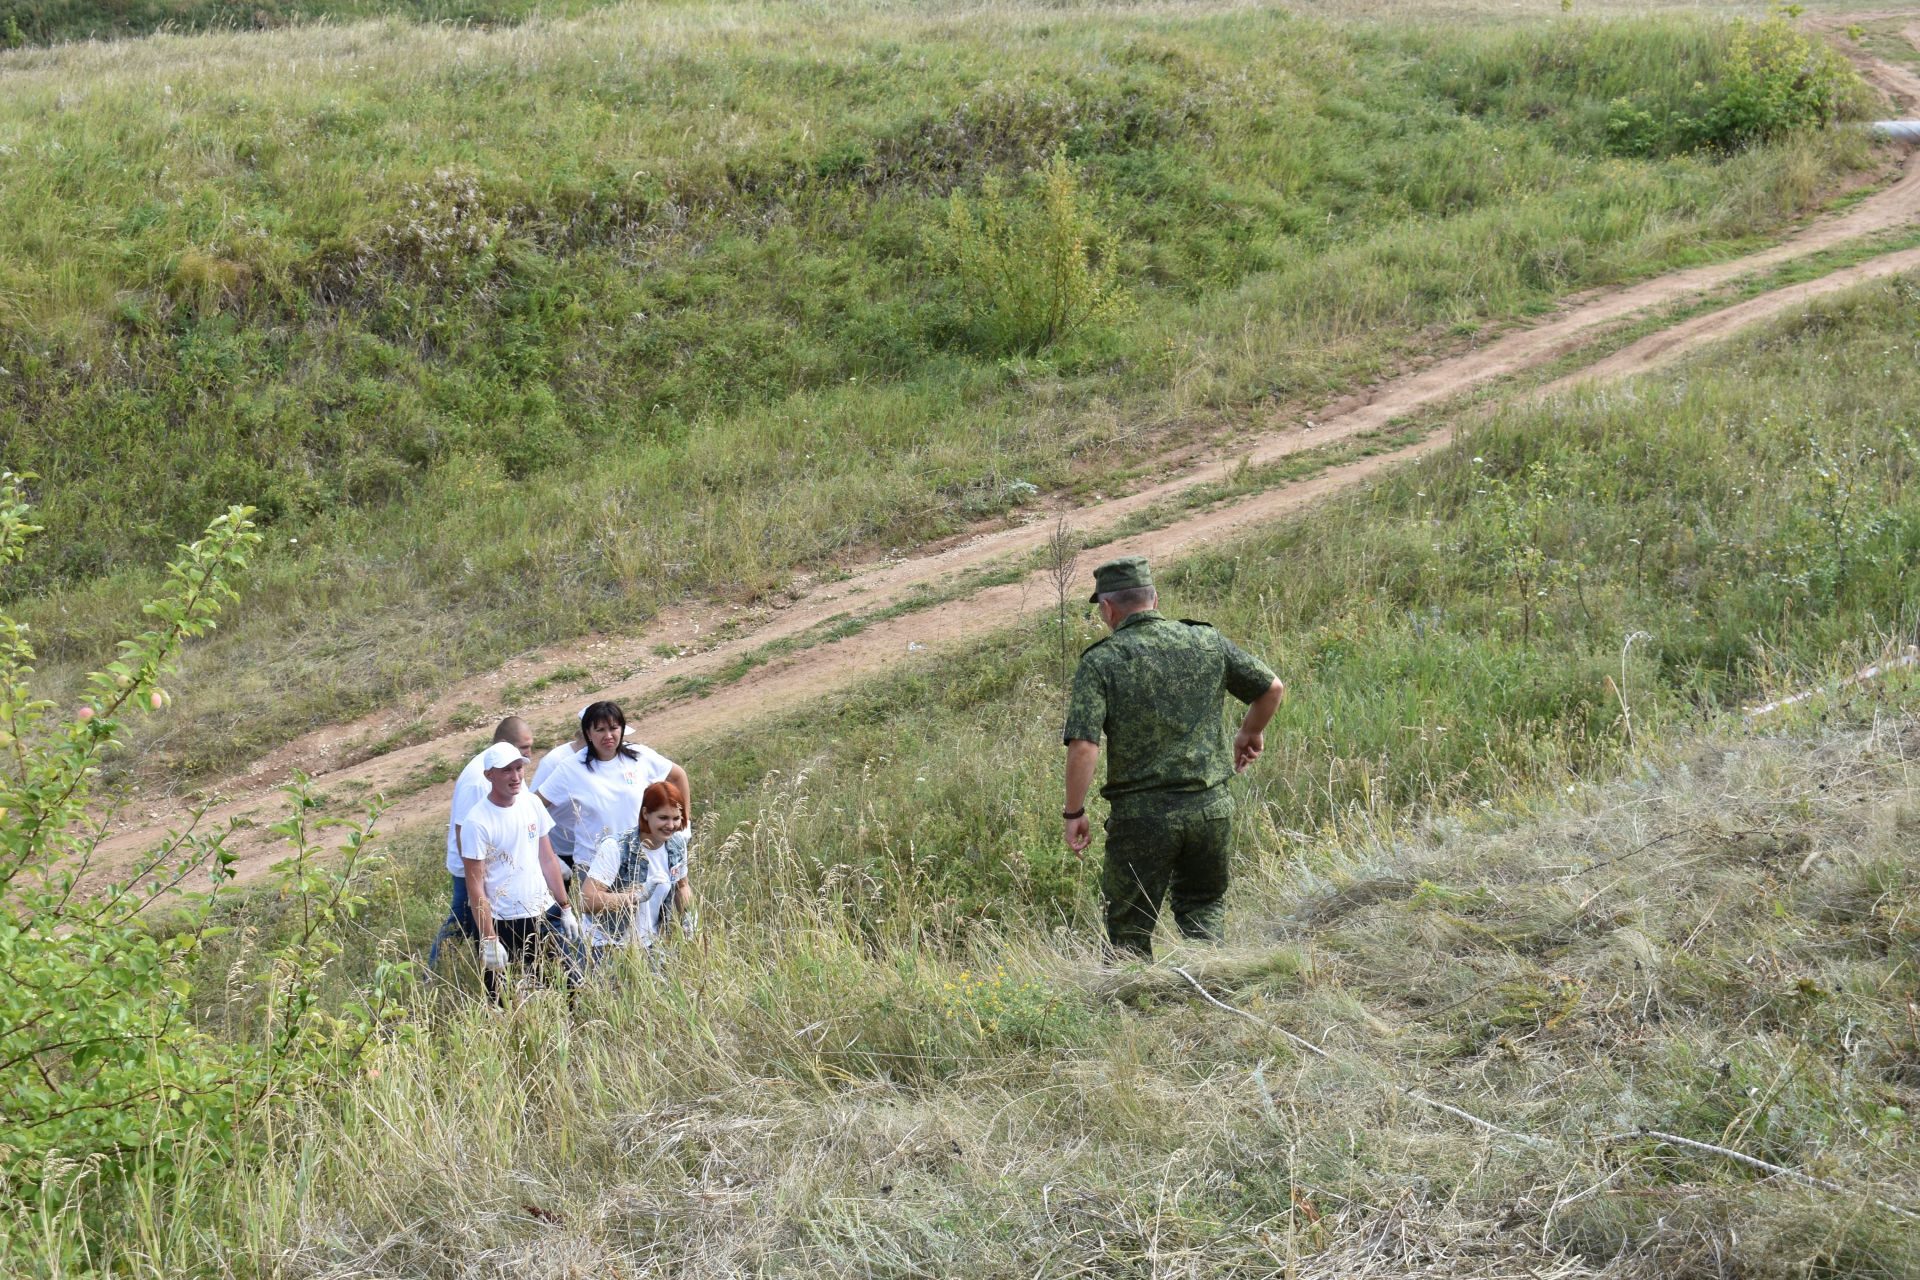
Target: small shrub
102	1066
448	229
998	1007
1777	79
1033	270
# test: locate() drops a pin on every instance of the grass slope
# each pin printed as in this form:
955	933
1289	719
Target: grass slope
896	1055
1718	948
517	334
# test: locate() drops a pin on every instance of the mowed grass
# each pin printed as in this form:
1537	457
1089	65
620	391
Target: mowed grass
515	335
1459	874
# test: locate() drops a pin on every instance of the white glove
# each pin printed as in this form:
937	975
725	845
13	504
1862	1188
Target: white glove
569	923
493	954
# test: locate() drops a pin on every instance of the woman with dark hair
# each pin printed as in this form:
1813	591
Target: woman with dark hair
596	791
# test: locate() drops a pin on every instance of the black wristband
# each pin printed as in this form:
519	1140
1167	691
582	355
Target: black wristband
1081	812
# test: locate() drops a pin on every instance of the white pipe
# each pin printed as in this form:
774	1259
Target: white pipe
1898	130
1910	658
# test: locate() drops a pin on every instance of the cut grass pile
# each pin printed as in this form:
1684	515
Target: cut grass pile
512	335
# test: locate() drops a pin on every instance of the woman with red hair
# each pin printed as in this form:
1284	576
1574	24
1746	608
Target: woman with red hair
631	876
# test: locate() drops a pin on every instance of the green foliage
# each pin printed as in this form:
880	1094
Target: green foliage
1515	537
96	1055
1777	78
1001	1009
36	22
1032	270
102	1066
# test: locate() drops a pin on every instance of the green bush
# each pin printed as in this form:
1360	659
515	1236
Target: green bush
1031	269
1776	79
102	1067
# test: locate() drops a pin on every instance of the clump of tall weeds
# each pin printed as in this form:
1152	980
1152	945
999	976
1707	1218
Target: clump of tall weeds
1032	267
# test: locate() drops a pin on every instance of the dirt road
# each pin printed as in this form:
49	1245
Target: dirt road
339	759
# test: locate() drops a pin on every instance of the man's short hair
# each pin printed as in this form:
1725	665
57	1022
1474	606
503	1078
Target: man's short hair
1130	600
509	730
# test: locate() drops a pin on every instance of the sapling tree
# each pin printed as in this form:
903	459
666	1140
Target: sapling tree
100	1058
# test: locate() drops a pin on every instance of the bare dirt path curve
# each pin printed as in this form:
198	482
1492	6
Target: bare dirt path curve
888	641
1899	83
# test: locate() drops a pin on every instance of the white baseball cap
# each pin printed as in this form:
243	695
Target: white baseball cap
500	755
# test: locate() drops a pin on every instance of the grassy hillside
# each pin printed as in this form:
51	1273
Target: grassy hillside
39	22
1456	875
516	334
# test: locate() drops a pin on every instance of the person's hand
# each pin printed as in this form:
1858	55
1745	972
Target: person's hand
1078	832
493	954
1246	749
569	924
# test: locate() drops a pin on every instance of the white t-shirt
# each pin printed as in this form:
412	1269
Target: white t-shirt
603	800
562	837
507	839
471	785
549	762
613	926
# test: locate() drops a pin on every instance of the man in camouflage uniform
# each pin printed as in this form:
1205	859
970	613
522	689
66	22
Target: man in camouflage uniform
1156	689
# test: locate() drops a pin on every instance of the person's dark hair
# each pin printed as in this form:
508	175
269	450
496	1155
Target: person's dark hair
1132	600
509	730
605	713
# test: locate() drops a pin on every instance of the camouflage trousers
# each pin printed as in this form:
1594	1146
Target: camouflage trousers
1178	848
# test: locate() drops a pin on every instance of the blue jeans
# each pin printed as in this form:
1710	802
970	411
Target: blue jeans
459	921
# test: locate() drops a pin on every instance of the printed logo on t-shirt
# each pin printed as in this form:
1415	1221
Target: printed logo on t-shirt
533	828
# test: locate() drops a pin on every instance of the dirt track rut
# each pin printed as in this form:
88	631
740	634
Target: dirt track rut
677	725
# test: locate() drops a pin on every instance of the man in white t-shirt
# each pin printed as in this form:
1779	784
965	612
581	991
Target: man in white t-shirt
467	788
519	902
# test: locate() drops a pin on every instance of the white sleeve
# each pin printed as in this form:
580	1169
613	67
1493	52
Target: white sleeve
472	832
605	866
465	796
657	765
554	789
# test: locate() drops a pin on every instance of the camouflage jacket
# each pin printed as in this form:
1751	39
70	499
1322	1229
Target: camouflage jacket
1157	690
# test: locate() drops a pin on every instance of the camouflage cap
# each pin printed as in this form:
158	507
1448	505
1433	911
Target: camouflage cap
1125	574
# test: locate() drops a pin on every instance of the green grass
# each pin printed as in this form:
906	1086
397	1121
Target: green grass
1456	873
39	22
516	335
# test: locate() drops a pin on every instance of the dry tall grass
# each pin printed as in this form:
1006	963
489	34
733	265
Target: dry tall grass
1720	946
